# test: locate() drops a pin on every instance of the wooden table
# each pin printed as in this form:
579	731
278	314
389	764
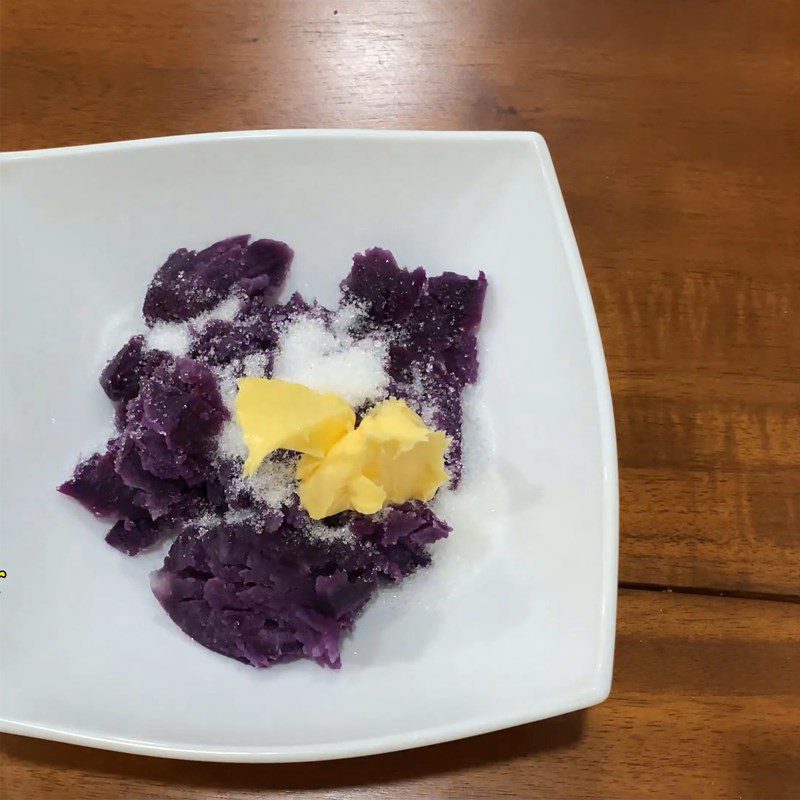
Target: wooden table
675	128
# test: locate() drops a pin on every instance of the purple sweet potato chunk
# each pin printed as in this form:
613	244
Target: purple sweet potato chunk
221	341
122	375
157	473
402	535
256	329
132	536
174	419
460	359
257	596
337	595
101	487
266	265
432	324
445	321
264	595
455	302
388	292
97	487
191	282
120	378
156	495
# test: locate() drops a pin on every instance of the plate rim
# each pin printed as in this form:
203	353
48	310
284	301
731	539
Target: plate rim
587	696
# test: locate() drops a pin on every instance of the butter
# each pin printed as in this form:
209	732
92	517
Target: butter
391	457
276	414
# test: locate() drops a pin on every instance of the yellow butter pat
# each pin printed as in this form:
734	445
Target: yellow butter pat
275	414
391	457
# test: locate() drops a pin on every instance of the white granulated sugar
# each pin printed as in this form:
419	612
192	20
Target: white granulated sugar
205	522
325	533
255	365
172	337
236	515
226	310
211	520
230	442
272	484
311	353
478	509
274	481
478	447
176	337
347	316
252	366
420	400
226	380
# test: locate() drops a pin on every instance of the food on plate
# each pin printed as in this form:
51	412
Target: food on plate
291	449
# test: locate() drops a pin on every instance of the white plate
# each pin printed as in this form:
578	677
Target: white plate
515	620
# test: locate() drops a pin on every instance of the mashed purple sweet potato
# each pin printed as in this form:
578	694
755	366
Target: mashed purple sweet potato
250	575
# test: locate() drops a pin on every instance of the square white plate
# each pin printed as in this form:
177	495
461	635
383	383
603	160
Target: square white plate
514	621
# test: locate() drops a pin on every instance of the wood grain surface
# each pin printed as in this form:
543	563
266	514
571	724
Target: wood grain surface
675	129
706	704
